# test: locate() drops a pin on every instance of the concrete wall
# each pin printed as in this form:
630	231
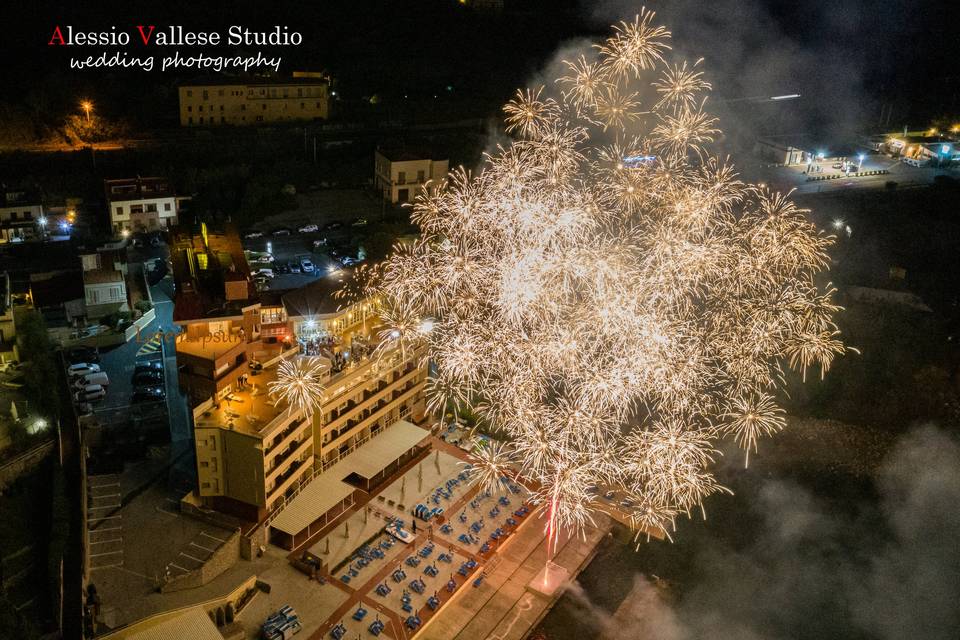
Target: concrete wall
222	559
239	598
13	469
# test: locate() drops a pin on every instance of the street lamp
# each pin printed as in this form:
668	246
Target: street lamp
87	106
860	157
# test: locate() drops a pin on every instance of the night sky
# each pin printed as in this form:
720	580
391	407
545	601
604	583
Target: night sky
848	58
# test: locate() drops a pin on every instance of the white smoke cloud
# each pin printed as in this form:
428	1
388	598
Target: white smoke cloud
888	570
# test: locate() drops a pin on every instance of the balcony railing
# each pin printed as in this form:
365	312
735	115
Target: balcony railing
368	403
275	473
349	430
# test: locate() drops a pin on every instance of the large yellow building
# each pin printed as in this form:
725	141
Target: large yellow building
251	101
253	453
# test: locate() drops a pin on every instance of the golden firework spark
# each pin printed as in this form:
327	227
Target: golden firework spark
608	295
300	383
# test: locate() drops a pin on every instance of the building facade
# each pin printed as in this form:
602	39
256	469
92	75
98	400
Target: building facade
216	310
253	453
104	283
21	213
140	204
400	174
250	452
220	102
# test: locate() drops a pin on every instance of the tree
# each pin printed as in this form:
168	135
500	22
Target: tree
40	371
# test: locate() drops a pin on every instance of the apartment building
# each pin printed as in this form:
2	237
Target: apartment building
251	101
401	172
216	309
140	204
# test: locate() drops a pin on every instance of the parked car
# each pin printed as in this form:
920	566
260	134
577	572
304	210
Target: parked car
347	261
283	231
250	235
82	369
89	393
83	354
281	269
264	259
148	365
307	265
308	228
147	378
149	394
98	378
319	243
294	267
359	222
264	271
332	225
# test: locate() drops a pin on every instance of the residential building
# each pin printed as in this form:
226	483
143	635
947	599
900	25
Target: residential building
104	283
140	204
217	309
251	452
251	101
59	296
253	456
401	173
21	216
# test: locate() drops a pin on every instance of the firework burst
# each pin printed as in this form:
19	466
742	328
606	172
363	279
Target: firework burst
299	383
608	295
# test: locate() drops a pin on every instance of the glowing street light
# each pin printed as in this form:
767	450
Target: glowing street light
125	233
87	107
860	157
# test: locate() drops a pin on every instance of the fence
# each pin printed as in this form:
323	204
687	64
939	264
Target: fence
837	176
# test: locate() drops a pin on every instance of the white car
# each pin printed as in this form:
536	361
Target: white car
99	378
307	265
90	392
253	234
82	369
265	272
308	228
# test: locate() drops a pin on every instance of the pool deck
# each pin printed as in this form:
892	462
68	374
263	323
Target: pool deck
503	606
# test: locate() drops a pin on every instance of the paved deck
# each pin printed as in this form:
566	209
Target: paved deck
503	608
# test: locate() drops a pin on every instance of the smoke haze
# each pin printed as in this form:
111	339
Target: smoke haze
889	570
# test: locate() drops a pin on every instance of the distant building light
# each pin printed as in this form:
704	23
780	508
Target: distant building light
635	161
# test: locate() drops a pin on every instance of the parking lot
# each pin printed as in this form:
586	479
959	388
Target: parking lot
283	256
127	557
